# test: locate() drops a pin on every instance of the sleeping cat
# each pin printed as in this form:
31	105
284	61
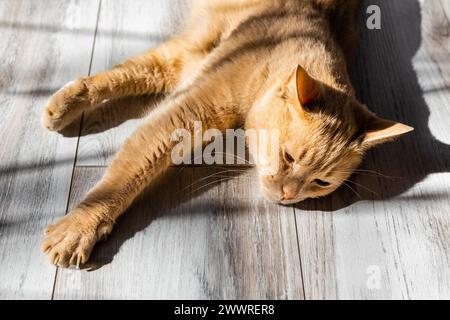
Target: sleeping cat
258	64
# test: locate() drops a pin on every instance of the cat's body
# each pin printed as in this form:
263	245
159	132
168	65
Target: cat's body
256	63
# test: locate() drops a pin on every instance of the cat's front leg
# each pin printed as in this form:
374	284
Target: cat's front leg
157	71
143	158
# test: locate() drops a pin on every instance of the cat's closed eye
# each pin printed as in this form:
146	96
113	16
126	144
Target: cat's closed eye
322	183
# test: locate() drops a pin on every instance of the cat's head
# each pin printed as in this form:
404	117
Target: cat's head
323	135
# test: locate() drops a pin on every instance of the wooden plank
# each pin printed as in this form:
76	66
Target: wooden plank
124	31
43	45
395	243
182	241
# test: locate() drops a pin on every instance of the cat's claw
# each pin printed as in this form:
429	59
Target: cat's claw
70	241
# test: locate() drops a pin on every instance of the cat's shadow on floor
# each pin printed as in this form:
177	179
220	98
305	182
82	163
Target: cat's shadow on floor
386	81
179	195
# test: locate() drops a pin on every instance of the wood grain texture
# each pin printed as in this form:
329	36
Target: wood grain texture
397	227
42	46
125	29
182	241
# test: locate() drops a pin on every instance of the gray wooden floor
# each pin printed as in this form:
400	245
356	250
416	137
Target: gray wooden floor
194	237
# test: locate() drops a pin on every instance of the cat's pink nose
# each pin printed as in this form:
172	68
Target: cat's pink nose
289	193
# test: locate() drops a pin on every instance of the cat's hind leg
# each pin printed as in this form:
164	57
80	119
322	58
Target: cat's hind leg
157	71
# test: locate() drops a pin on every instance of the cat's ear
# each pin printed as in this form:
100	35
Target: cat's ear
379	130
301	88
307	88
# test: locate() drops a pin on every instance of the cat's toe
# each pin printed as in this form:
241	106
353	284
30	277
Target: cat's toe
50	121
65	106
70	248
58	114
68	243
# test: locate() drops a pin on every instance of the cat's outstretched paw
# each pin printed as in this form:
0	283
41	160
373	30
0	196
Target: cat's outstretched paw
70	241
65	105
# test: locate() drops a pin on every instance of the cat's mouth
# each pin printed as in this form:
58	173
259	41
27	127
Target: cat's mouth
279	199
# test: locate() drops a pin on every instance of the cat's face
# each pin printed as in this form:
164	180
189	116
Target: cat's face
309	166
323	135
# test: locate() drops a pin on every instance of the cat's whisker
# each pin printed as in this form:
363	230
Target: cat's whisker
362	174
222	178
199	181
371	175
246	162
364	187
376	173
209	184
213	175
366	173
354	191
235	157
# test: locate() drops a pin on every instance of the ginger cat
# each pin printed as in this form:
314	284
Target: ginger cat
253	63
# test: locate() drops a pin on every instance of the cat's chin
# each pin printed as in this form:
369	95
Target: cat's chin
290	202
